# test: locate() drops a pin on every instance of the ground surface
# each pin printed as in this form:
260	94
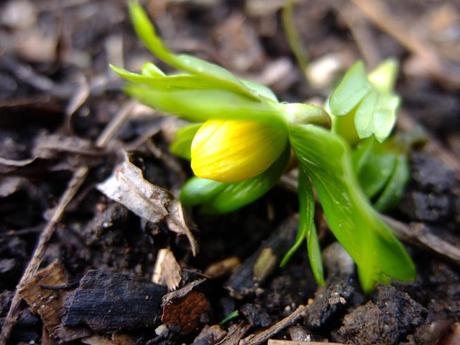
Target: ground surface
58	102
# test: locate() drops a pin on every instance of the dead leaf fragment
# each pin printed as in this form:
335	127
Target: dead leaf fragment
167	270
128	186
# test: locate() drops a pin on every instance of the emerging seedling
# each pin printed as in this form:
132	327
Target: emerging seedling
241	139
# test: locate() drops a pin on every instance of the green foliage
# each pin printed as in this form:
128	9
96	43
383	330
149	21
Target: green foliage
326	159
382	170
307	229
365	106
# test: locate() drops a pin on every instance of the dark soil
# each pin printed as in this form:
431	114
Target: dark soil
57	95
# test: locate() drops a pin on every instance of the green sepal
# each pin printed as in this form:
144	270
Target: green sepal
182	143
350	91
326	159
217	197
198	191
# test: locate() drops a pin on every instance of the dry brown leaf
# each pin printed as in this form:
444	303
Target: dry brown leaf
167	270
128	186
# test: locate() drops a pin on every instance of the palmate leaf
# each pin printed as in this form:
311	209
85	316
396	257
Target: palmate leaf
213	74
325	158
365	106
217	197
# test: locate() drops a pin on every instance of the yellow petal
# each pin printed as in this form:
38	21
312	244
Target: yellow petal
231	151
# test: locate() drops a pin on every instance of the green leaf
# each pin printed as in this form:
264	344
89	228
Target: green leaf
326	159
217	197
307	229
364	115
178	81
306	219
198	105
394	188
377	168
351	90
181	146
213	74
260	90
385	116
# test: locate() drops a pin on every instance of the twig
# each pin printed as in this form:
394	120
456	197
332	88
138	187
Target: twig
420	235
290	342
73	187
263	336
37	257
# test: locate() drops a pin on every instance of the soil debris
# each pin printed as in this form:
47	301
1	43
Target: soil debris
386	320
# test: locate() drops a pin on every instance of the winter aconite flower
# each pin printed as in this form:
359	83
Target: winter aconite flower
231	151
240	139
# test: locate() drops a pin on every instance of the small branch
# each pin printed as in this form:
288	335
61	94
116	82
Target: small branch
263	336
73	187
420	235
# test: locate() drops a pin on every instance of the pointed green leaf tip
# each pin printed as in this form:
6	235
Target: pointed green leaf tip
325	157
212	73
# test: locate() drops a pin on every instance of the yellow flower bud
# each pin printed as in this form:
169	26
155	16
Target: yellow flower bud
231	151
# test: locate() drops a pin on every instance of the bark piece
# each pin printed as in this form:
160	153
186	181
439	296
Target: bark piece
113	301
184	310
45	295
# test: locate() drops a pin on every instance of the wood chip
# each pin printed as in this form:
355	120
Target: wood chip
184	310
222	268
113	301
44	301
167	270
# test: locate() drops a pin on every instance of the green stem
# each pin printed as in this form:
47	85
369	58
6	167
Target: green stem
293	36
